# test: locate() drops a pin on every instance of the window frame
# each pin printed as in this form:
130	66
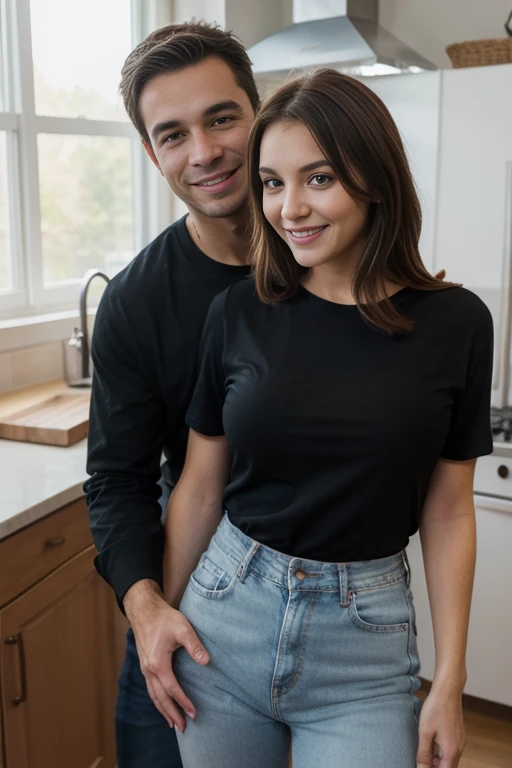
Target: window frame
151	199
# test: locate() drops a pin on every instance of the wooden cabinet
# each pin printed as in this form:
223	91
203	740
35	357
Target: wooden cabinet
60	652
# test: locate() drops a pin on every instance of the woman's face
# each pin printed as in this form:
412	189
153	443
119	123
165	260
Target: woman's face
304	201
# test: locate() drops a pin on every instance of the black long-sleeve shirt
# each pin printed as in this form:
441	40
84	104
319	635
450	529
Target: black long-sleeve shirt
144	349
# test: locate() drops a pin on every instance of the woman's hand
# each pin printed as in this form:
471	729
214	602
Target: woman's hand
442	735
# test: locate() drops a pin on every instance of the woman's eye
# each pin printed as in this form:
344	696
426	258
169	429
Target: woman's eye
320	179
271	183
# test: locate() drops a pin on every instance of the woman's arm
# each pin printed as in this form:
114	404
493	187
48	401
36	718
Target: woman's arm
448	539
195	510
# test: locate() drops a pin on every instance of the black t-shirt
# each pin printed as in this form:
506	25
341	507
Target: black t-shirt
146	336
335	427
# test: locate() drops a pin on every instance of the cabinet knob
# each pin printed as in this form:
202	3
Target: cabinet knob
503	471
51	543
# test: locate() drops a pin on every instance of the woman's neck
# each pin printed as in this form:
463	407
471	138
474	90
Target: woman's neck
336	284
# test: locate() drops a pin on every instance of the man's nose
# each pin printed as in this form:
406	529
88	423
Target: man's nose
205	150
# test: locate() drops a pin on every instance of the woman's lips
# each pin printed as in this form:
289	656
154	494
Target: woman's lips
304	237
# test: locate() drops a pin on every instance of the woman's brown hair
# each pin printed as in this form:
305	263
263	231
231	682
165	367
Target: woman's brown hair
360	140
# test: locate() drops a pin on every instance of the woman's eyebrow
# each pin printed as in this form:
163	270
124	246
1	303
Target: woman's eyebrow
315	165
304	169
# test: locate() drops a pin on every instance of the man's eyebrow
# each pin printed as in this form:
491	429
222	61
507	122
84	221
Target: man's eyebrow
221	106
167	125
304	169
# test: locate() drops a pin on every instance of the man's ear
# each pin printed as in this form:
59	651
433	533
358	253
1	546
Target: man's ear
152	156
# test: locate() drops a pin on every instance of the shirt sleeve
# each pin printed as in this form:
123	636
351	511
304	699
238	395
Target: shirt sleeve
470	432
124	450
205	411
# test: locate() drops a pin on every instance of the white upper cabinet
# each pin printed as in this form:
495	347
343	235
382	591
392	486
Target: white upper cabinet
413	101
474	198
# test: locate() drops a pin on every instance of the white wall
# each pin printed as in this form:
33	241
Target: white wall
429	27
250	21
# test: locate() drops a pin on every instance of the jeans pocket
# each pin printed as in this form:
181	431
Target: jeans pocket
210	580
382	609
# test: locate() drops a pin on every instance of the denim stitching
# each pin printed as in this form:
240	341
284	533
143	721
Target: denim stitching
302	652
396	580
367	627
411	630
244	565
274	686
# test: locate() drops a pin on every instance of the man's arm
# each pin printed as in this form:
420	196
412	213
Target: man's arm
125	446
124	450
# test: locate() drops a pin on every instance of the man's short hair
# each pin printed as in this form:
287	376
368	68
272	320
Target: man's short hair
175	47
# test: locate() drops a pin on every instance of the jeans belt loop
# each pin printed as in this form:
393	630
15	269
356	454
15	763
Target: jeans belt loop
406	566
343	577
244	565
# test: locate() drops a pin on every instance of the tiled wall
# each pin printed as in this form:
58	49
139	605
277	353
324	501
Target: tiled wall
31	365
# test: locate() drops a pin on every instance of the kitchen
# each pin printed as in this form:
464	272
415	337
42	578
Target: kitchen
456	125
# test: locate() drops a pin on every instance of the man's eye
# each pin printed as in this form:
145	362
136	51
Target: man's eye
320	179
271	183
172	137
222	120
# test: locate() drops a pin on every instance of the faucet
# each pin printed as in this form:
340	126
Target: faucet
80	338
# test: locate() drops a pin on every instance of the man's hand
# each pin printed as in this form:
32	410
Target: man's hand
159	630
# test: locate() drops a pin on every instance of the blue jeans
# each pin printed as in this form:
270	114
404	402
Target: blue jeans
143	738
322	654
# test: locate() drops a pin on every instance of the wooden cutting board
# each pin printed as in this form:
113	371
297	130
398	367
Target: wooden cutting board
59	416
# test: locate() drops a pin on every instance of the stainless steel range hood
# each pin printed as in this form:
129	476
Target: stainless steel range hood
343	34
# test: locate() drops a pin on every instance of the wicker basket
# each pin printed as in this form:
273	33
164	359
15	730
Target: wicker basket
480	53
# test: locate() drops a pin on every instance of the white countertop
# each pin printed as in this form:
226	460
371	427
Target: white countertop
36	480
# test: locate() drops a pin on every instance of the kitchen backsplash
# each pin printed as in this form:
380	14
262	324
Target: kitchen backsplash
31	365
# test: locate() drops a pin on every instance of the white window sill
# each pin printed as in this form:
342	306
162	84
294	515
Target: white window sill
29	331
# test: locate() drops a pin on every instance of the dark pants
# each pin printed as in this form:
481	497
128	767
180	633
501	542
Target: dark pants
144	740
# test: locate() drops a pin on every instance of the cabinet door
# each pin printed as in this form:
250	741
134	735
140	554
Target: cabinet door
414	103
58	669
490	628
474	196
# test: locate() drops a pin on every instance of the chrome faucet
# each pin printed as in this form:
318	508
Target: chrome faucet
80	338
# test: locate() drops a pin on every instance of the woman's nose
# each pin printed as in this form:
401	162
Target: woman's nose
294	206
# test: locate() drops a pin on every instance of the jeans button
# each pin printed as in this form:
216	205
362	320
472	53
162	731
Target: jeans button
300	574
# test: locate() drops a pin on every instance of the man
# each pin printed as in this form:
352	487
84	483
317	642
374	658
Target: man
190	93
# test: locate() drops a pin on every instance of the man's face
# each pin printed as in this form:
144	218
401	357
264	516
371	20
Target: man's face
198	121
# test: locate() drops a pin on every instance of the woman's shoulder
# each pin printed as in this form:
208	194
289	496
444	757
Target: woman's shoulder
455	303
239	296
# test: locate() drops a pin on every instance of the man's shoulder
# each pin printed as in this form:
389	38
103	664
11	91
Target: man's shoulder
147	270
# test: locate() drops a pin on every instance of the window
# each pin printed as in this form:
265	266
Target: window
76	191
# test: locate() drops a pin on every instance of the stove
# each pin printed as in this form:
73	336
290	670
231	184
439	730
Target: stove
501	424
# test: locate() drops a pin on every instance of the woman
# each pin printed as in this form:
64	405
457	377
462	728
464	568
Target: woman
343	396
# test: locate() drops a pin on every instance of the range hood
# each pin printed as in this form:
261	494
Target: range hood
343	34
